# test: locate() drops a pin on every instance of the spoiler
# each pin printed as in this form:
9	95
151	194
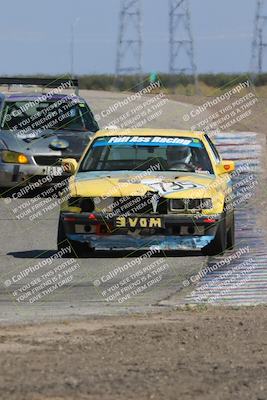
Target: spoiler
42	82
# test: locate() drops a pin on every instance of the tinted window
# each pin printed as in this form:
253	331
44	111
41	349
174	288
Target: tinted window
26	116
140	153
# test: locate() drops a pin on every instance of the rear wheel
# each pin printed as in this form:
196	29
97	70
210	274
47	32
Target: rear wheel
219	243
78	250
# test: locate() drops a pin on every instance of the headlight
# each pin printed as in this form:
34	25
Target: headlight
84	203
206	204
190	204
177	205
14	157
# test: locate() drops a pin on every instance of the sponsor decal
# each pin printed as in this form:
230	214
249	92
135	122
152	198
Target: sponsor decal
148	141
163	187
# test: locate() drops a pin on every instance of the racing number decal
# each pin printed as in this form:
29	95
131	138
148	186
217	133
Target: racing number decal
170	187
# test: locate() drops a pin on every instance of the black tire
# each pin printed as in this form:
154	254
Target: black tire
78	250
219	244
231	234
61	236
5	192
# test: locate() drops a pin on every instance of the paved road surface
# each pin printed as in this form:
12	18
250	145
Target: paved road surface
28	241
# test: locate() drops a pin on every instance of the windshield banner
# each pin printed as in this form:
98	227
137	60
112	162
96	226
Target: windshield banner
147	141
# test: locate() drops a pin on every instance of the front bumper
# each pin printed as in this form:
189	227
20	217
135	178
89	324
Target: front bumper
203	231
127	242
19	175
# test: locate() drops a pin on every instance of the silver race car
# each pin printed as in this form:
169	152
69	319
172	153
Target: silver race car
37	130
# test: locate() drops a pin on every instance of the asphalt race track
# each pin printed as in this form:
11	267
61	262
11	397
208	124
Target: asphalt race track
29	241
239	276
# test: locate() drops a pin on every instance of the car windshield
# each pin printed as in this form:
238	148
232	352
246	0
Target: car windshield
120	153
61	114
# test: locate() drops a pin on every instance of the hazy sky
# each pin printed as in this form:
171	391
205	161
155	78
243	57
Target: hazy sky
35	35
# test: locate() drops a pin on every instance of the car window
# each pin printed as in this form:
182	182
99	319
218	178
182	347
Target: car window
140	153
26	116
130	153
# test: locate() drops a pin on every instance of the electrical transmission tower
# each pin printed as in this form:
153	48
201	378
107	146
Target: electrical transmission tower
130	42
259	43
181	40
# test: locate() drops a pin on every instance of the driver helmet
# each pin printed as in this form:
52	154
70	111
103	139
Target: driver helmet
179	154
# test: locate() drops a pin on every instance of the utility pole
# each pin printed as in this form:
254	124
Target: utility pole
182	59
72	46
130	40
259	42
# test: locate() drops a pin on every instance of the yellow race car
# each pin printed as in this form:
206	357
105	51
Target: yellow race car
148	189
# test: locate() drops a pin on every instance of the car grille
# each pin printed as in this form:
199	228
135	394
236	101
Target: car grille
139	205
47	160
190	204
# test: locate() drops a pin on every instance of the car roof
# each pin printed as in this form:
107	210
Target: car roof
150	132
34	96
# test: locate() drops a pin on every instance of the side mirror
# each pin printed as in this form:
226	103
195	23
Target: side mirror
69	165
225	167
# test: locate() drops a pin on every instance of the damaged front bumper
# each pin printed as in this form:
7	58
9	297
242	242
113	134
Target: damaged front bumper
127	242
179	232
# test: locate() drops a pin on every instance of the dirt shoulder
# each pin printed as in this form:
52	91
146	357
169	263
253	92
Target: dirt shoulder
188	354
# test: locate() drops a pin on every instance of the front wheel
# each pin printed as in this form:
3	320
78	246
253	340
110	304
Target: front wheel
231	234
219	243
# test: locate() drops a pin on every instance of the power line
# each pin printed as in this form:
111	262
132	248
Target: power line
130	41
182	60
259	42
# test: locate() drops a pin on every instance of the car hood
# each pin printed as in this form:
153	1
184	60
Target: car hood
165	184
42	142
